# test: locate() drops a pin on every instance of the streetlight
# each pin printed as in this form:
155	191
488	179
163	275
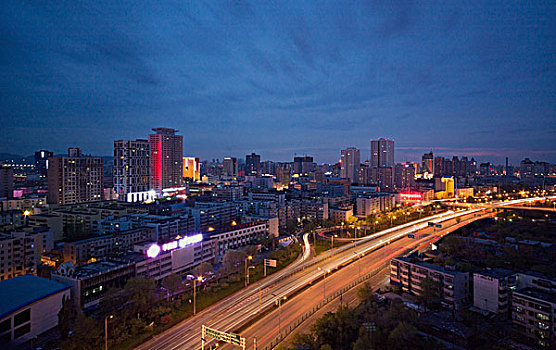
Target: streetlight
249	258
200	279
106	330
358	263
279	303
332	246
250	267
324	283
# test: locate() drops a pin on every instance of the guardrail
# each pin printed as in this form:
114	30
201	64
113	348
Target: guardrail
289	328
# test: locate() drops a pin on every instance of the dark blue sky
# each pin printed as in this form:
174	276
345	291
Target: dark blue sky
280	77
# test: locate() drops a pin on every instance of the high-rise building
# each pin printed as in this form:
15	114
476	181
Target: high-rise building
383	177
404	176
166	158
382	153
6	182
132	167
41	161
76	178
350	162
252	164
192	168
230	166
427	163
303	165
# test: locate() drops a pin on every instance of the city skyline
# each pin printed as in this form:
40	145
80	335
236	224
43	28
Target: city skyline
475	80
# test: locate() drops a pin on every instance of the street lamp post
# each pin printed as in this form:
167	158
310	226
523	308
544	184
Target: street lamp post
249	268
324	283
279	303
106	330
246	270
200	278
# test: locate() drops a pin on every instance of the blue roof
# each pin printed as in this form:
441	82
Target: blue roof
21	291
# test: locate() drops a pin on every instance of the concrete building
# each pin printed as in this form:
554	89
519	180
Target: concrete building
382	153
192	168
383	177
230	167
252	164
21	250
80	252
340	214
236	236
89	283
534	316
409	273
6	182
213	215
166	159
427	163
404	176
491	289
29	306
303	165
41	162
75	179
373	205
132	168
350	162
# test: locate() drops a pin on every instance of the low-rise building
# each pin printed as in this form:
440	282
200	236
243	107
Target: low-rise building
534	315
29	306
409	273
237	236
90	282
340	214
491	289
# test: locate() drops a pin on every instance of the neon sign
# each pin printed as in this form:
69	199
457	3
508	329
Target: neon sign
411	196
154	250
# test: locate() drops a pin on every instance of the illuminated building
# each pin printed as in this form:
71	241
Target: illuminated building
427	163
404	176
445	187
230	167
166	159
252	164
382	153
383	177
131	167
41	162
192	168
75	179
350	162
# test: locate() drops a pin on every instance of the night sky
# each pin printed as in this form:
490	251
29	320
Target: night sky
474	78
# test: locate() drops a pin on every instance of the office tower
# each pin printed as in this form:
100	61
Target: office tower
192	168
350	162
252	164
132	167
383	177
404	177
166	159
41	161
230	166
76	178
6	182
382	153
438	166
303	165
427	163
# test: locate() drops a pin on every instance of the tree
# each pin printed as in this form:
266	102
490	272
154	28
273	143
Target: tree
202	269
87	335
430	290
403	335
232	261
141	293
66	316
172	283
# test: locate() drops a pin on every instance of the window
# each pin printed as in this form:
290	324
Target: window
21	331
6	325
22	317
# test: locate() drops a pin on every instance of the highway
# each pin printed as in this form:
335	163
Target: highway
266	329
236	310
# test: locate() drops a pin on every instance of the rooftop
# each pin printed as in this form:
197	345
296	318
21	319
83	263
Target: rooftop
537	294
21	291
496	273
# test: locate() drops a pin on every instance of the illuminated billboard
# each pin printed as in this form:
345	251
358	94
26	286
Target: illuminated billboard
155	249
411	196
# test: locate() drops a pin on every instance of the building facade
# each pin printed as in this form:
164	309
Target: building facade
75	179
350	162
166	159
132	167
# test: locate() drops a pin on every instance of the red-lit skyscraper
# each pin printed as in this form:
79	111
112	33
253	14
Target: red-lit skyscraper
166	159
